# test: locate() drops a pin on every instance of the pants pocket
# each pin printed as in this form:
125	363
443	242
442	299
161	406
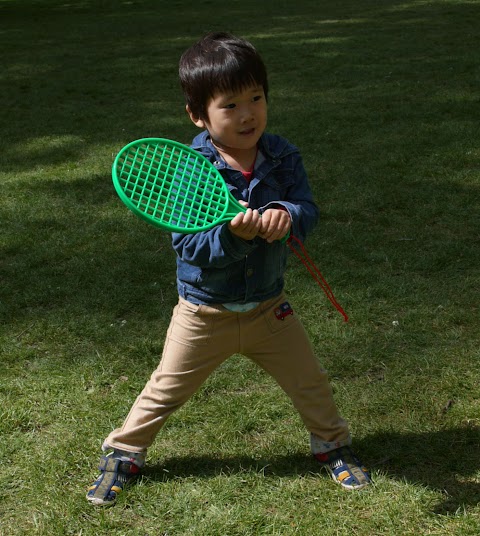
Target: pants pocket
191	324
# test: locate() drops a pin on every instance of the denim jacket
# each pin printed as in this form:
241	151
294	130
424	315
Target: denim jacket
216	266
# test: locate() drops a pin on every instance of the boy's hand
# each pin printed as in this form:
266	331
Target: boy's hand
246	225
275	224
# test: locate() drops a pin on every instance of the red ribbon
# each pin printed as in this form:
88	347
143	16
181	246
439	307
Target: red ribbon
315	273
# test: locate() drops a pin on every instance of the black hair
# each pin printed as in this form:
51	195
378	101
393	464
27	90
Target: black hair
219	62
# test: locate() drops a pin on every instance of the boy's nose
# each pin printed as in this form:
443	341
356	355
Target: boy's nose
247	115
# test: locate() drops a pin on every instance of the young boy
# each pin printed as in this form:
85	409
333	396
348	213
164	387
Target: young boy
230	278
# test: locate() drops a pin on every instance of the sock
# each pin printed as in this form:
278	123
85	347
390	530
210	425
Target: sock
138	458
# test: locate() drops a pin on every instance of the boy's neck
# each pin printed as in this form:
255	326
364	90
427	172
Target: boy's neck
241	159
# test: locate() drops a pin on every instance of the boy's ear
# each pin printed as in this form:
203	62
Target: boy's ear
200	123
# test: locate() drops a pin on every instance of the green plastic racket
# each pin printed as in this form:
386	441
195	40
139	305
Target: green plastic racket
172	186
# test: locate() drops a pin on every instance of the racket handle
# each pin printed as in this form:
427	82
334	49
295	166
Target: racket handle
285	238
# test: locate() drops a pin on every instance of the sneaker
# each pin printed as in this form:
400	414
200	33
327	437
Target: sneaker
345	468
115	475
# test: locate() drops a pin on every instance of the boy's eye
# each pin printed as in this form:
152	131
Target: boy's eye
230	106
257	98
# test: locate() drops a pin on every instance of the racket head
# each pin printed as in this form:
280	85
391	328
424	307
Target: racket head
172	186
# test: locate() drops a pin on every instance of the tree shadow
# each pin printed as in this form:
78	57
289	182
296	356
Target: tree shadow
447	461
79	75
83	253
82	75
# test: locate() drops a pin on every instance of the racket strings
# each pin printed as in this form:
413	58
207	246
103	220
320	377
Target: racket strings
171	185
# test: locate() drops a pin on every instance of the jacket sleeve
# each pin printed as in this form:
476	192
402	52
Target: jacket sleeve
299	202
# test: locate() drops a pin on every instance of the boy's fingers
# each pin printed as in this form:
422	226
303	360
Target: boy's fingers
277	233
237	220
253	221
246	224
278	227
247	217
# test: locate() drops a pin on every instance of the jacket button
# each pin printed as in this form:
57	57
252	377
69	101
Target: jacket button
250	272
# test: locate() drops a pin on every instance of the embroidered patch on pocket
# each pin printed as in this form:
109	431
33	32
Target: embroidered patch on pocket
283	310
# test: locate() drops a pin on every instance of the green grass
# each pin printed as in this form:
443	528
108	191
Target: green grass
382	99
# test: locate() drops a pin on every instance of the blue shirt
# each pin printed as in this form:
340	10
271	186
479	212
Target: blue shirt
216	266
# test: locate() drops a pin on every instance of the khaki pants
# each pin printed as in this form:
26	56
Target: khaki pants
202	337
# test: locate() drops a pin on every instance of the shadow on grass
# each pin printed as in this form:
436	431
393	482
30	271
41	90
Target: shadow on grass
447	461
97	72
79	77
444	461
74	249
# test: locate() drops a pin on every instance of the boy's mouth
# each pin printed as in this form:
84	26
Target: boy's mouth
247	132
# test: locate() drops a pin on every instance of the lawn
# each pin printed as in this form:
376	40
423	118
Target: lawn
382	99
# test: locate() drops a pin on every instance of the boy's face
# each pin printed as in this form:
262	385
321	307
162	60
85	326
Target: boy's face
235	120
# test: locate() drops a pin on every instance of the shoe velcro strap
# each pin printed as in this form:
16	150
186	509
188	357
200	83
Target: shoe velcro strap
109	464
357	473
104	489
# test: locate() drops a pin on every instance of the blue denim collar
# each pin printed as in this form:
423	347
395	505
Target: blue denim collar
271	146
